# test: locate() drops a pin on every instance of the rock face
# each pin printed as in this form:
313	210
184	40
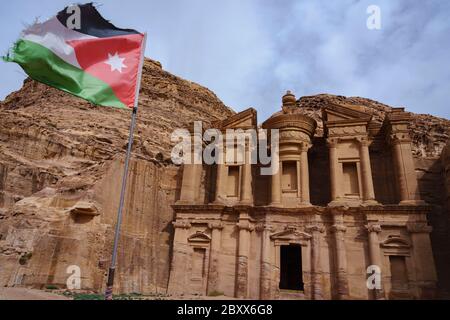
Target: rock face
429	136
61	164
442	236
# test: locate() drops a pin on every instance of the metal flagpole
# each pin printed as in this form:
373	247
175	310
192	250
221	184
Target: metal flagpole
112	268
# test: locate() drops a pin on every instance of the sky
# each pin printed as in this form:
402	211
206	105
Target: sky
250	52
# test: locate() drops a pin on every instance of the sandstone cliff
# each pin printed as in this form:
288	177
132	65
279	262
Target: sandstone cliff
61	163
60	168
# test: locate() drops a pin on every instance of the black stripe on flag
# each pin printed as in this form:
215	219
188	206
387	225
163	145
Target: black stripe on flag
92	23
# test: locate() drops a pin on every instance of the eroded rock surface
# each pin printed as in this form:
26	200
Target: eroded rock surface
61	162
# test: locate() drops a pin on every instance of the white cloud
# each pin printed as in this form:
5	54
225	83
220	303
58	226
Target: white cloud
250	52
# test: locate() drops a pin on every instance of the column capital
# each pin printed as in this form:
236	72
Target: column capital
182	224
315	228
245	225
332	142
305	146
364	141
399	138
260	227
373	228
338	228
215	225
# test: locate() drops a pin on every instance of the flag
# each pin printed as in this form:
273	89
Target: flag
81	53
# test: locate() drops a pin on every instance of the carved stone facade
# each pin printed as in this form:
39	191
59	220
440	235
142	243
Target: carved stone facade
287	235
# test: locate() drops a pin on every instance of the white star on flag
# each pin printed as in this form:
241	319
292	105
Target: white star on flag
116	62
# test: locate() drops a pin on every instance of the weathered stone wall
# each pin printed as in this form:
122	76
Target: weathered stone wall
434	180
445	160
58	238
239	266
431	183
60	175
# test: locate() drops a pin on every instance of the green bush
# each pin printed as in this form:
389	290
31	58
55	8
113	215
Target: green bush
215	294
51	287
88	296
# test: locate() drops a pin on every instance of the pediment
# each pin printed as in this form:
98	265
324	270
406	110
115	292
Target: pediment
291	234
242	120
199	237
348	113
395	242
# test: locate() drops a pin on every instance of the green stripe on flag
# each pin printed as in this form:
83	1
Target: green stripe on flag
42	65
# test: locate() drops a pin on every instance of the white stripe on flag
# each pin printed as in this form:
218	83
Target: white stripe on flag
54	36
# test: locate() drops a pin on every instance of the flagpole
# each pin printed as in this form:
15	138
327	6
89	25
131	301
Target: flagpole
112	268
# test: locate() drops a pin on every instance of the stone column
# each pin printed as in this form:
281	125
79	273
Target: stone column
221	176
366	171
375	255
426	277
246	186
276	187
334	170
304	174
213	274
339	230
188	184
192	171
191	183
401	176
316	267
178	280
266	269
243	253
405	169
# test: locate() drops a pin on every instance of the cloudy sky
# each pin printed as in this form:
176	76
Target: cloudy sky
250	52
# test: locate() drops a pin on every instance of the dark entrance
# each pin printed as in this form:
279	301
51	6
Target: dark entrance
291	267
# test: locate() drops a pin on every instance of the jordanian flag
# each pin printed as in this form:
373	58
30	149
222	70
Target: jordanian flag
80	52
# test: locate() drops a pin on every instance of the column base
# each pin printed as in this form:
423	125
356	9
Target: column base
412	203
344	203
342	286
378	294
305	204
219	201
371	202
276	204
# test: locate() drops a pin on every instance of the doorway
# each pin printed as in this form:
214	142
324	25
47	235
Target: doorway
291	273
198	271
399	274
